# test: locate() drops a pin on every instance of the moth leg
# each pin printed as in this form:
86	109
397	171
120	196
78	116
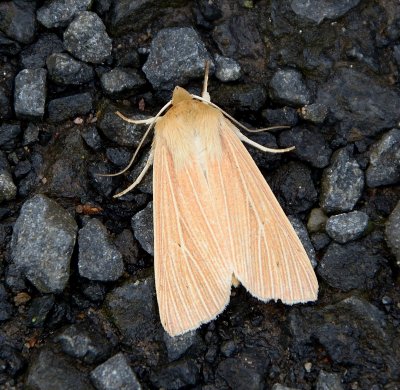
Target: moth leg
149	163
243	138
204	93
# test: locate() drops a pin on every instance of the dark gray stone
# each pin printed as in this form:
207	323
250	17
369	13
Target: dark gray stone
294	187
178	345
315	113
226	69
288	87
39	310
30	93
353	333
8	190
86	38
177	55
316	221
42	243
66	165
6	309
319	10
320	240
342	183
31	134
347	227
328	381
115	374
34	56
349	266
142	226
286	116
8	46
244	97
120	131
122	82
66	70
352	98
278	386
103	184
84	344
58	13
119	156
92	138
384	160
99	259
5	103
392	232
302	233
50	371
17	20
8	134
243	372
133	310
70	106
310	145
176	375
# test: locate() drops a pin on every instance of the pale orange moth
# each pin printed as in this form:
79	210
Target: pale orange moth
216	221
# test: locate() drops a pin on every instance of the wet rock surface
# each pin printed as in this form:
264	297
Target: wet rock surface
84	314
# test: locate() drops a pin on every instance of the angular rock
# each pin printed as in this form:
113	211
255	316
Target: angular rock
315	113
65	166
244	97
118	156
66	70
86	38
30	93
178	345
42	243
92	138
349	266
302	233
392	232
8	189
52	371
58	13
8	46
70	106
39	310
286	116
119	131
347	227
342	183
8	134
115	374
294	187
84	344
177	55
122	82
34	56
31	134
384	160
316	221
142	226
17	20
288	87
226	69
353	333
99	259
319	10
133	310
176	375
278	386
6	309
310	145
352	100
328	381
320	240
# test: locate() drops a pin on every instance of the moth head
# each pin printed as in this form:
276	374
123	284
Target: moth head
180	94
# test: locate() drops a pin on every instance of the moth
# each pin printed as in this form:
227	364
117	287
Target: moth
216	220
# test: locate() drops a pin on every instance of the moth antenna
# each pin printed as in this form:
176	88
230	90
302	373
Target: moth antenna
204	93
135	121
149	162
151	125
243	138
236	121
